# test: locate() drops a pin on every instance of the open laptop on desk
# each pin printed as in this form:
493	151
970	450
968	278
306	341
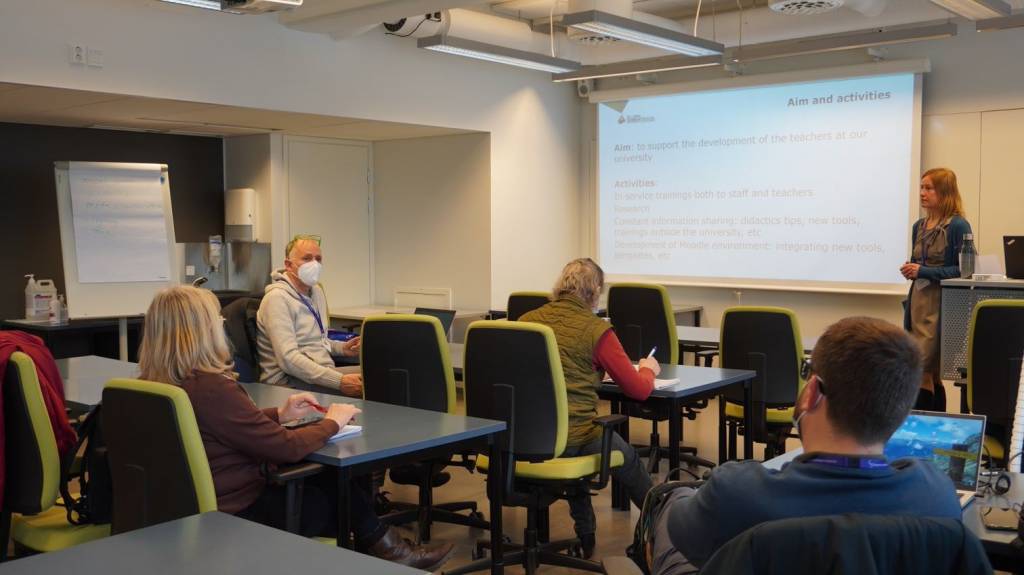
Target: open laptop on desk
1013	256
951	441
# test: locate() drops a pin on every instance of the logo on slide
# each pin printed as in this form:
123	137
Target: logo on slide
635	119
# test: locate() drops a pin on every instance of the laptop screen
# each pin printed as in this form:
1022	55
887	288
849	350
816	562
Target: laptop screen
952	442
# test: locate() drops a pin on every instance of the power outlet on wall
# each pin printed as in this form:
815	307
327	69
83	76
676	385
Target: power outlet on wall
77	54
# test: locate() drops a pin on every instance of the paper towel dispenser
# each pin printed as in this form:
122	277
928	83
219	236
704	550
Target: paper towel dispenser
240	215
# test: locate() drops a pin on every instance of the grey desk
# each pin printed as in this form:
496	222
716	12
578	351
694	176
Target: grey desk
695	383
997	543
695	339
84	378
209	543
395	435
80	336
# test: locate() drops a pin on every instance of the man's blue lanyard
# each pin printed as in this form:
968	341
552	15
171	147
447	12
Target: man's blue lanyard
312	310
847	461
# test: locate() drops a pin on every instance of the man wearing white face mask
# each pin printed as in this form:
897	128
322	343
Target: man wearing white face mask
293	344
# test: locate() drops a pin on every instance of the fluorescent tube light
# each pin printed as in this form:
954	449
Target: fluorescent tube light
844	41
494	53
641	33
645	66
992	24
208	4
975	9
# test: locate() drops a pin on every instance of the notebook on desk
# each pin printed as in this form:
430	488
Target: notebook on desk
347	431
951	441
658	383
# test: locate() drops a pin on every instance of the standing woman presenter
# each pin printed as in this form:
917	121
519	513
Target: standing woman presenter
936	240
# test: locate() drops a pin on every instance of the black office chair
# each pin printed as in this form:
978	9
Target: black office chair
995	344
163	474
32	475
513	374
765	340
520	302
405	362
852	543
240	326
445	316
641	315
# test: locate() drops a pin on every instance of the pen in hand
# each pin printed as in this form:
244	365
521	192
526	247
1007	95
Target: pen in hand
653	349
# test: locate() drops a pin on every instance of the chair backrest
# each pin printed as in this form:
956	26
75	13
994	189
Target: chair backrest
405	361
765	340
513	373
852	543
158	464
995	343
642	317
32	474
445	316
520	302
240	326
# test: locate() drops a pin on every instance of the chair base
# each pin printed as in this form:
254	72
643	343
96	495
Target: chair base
441	512
775	446
532	557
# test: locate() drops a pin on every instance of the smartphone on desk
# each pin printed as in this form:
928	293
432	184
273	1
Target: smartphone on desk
303	421
999	519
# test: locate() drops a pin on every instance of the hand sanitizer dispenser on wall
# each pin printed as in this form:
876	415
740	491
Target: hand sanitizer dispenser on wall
240	215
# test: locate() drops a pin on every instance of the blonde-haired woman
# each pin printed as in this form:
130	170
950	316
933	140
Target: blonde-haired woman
184	344
588	348
937	239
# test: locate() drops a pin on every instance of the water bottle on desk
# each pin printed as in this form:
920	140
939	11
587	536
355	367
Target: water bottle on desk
968	255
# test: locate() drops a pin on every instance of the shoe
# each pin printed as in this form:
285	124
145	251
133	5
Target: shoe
587	544
410	475
392	547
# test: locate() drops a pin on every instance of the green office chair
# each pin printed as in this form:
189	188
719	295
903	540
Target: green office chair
995	343
31	513
513	374
520	302
765	340
405	362
641	315
163	474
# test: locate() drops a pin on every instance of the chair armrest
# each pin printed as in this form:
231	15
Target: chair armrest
960	383
496	314
293	472
608	424
620	565
962	371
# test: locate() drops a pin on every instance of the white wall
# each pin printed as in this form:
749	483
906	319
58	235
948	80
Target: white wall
432	225
151	49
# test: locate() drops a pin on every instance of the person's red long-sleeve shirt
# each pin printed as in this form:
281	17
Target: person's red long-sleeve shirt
609	356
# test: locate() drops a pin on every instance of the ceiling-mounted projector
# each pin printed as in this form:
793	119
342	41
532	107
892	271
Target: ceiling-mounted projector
259	6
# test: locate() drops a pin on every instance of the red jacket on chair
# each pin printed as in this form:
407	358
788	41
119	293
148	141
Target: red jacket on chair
52	387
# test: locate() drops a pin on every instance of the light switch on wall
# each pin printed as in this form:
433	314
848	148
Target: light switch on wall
190	270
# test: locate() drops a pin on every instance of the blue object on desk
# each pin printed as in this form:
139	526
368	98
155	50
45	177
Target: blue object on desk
338	335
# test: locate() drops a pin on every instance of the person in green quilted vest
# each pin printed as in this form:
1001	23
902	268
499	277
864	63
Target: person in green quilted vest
589	348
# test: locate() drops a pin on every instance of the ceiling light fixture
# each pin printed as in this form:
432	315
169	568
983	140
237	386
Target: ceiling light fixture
844	41
495	53
993	24
975	9
638	32
633	67
208	4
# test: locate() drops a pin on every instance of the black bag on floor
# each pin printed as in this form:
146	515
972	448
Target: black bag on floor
94	504
640	550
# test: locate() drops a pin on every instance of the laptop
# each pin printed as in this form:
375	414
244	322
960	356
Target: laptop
951	441
1013	256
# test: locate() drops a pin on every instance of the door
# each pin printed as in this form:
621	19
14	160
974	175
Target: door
329	196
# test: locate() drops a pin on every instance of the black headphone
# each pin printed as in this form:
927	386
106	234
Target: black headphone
1002	483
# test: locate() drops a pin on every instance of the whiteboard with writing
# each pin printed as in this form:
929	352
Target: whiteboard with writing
120	229
117	236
